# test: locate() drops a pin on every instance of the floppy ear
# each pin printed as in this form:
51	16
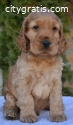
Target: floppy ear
62	41
22	41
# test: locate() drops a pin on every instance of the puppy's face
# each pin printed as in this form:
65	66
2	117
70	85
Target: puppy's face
43	34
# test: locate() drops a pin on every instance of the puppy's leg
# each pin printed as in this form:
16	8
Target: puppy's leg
25	102
56	105
9	109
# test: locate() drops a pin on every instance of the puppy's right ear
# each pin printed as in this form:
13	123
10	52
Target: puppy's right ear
22	40
62	41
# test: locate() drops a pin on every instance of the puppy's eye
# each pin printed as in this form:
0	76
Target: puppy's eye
54	28
36	27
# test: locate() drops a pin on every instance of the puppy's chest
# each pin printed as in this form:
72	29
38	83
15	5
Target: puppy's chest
43	82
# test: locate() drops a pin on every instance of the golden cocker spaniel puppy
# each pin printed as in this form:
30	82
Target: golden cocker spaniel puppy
34	82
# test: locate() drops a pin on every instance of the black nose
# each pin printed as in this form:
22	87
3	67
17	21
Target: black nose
46	43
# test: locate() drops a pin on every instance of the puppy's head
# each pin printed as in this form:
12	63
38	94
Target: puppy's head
42	32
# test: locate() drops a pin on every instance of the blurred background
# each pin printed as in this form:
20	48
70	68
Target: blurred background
10	24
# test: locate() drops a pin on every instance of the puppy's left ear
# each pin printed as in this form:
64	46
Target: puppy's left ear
62	41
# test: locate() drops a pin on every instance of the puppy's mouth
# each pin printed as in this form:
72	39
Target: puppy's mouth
43	52
44	49
47	53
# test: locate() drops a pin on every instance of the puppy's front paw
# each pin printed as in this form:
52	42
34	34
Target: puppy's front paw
11	113
29	118
58	118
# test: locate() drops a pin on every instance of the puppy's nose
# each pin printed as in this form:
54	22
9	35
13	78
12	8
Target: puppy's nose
46	43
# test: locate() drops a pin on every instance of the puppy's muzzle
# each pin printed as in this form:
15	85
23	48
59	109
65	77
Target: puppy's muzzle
46	43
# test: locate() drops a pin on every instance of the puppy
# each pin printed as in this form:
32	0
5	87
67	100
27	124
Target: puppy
34	82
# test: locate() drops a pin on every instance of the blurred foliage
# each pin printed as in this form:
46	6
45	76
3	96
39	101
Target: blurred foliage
67	75
10	24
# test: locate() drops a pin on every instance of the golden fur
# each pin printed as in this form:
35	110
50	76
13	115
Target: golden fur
34	82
